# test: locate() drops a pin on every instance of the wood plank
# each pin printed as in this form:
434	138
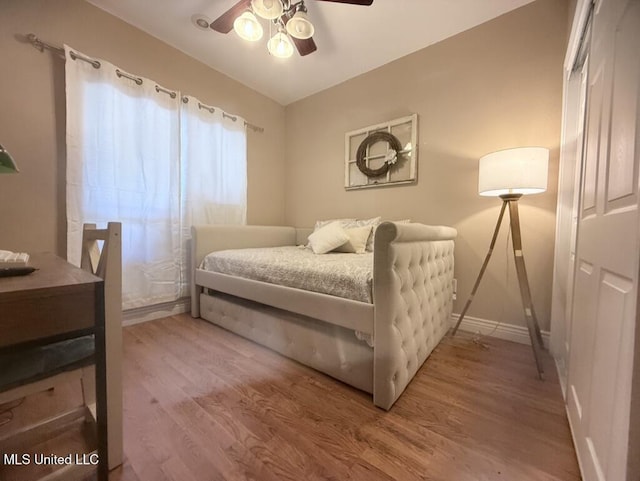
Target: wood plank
266	434
28	435
204	404
73	439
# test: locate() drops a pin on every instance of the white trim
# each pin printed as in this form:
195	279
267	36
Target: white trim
561	368
577	28
573	120
157	311
501	330
574	440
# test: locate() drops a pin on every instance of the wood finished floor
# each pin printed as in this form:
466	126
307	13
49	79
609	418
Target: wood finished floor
204	404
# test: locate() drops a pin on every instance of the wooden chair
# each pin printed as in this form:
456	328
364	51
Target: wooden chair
53	364
106	263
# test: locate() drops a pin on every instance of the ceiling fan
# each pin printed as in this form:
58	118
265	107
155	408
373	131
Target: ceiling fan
290	18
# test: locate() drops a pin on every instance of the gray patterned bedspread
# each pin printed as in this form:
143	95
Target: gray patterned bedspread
337	274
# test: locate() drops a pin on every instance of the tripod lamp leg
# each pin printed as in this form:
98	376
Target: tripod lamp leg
482	269
527	304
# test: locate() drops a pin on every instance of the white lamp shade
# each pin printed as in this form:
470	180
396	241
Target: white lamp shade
280	46
248	27
514	171
299	26
269	9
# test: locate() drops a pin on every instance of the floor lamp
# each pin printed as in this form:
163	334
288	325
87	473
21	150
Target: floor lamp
510	174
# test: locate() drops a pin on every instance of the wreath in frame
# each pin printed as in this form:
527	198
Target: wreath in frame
390	159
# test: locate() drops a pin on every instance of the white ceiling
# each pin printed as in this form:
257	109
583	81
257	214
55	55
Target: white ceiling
351	39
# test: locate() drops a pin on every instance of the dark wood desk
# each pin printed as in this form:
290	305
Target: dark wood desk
58	301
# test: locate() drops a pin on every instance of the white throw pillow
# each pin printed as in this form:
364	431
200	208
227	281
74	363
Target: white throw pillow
348	223
327	238
322	223
357	242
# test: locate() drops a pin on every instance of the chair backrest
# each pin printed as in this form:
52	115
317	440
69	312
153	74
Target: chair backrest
98	260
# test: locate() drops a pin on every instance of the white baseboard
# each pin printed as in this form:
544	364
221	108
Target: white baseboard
157	311
509	332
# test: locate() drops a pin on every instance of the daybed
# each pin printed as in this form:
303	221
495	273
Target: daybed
377	347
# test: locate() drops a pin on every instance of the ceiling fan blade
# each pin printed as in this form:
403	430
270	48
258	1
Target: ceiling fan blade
304	46
352	2
224	23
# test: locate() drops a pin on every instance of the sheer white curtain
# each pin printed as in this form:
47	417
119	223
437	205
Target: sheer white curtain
123	144
155	162
214	166
214	169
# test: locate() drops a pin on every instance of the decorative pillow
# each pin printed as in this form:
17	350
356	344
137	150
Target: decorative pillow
374	221
357	242
363	222
321	223
350	224
373	233
327	238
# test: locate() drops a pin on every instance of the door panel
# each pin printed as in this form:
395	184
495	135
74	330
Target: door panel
623	187
581	343
607	257
614	301
592	139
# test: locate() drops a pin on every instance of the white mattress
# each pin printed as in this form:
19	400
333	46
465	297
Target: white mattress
342	275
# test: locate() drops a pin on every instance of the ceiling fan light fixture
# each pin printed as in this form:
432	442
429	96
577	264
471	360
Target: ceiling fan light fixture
248	27
279	45
268	9
300	26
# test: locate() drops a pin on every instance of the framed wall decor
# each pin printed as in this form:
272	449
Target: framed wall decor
382	155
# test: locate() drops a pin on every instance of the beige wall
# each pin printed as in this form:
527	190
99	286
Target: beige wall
492	87
32	118
496	86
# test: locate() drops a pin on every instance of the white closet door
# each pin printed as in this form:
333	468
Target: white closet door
607	254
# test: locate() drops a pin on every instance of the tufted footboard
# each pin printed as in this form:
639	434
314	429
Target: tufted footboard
412	296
